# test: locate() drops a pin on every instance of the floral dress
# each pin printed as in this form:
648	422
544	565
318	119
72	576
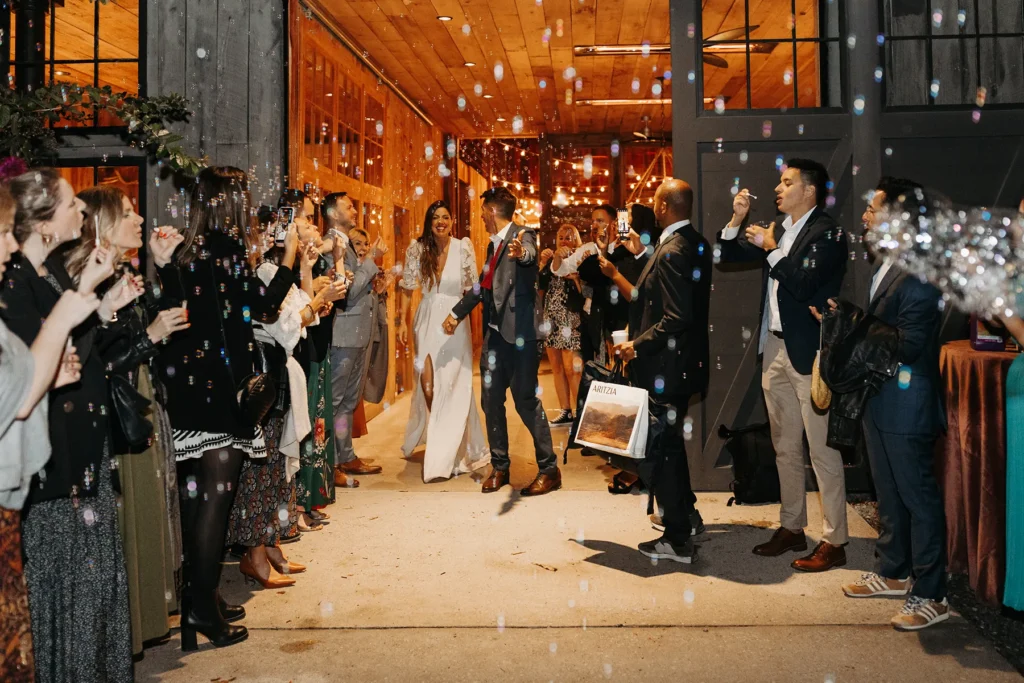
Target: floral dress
565	323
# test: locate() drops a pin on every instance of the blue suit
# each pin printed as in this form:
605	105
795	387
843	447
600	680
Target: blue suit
901	424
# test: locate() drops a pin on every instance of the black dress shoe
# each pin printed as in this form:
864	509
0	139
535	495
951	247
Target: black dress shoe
231	613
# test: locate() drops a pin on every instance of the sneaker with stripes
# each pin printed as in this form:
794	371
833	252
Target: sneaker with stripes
919	613
872	585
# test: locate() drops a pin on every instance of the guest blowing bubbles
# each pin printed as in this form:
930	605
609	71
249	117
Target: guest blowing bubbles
25	377
71	542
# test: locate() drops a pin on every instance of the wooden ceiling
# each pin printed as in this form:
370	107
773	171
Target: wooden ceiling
428	56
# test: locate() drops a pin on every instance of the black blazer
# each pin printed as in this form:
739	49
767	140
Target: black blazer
810	275
668	320
79	412
193	364
910	404
511	304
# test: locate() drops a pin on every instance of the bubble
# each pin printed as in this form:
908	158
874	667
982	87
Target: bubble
615	148
465	29
645	49
979	98
766	129
976	116
418	191
787	76
744	156
690	77
579	535
656	89
499	71
888	151
553	648
517	124
880	39
904	377
584	586
851	41
543	84
450	151
858	105
201	53
878	74
501	623
326	609
688	596
88	516
937	18
478	90
719	104
635	86
961	18
569	73
934	89
607	670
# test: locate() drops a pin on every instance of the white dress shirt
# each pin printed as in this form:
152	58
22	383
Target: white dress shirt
667	232
879	276
790	232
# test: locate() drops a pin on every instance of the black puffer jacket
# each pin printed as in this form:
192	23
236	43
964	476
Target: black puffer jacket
859	353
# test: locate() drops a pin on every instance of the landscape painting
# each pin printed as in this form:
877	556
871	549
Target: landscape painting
607	424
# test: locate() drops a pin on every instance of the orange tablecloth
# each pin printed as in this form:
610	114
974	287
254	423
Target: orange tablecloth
971	465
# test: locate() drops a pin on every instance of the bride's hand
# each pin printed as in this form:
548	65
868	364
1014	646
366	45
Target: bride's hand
402	333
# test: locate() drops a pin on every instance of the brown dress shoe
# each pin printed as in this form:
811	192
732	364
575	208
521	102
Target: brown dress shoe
783	540
825	557
357	466
342	480
544	483
495	480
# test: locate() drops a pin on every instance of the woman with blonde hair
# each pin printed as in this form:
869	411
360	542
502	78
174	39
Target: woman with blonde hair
563	304
74	565
149	518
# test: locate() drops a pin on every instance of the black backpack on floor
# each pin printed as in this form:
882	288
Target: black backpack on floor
755	477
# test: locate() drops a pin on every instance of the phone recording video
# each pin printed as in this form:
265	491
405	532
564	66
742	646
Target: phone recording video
285	217
623	220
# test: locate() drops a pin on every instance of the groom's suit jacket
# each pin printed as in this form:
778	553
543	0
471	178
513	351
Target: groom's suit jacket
510	303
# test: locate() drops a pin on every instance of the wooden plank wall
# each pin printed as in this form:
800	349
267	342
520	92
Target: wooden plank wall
410	180
228	58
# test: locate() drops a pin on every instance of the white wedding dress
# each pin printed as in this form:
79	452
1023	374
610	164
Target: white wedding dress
451	429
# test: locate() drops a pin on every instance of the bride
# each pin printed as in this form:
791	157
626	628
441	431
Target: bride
444	414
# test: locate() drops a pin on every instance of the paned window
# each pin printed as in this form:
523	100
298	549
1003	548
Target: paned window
953	52
770	54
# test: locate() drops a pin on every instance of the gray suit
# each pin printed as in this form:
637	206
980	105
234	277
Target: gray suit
511	354
353	324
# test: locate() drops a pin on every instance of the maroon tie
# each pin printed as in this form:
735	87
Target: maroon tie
491	265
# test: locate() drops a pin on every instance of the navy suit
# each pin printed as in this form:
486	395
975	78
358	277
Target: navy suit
901	423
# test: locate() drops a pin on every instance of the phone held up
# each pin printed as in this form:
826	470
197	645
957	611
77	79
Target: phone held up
623	221
285	217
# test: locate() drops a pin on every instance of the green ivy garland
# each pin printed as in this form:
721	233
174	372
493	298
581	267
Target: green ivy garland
30	122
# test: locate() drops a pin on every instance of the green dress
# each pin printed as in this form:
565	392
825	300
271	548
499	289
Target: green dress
314	482
1013	588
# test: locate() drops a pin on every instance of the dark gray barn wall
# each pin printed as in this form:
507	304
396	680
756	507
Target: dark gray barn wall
228	57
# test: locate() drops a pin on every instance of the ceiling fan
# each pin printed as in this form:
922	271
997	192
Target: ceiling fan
646	134
712	44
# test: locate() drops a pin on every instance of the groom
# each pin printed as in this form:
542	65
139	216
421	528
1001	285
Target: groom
511	350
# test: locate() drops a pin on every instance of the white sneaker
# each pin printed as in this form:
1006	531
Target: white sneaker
872	585
919	613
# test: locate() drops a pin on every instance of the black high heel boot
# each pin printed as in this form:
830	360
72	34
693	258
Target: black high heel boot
231	613
213	626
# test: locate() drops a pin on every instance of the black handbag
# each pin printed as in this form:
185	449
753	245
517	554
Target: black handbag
256	393
132	429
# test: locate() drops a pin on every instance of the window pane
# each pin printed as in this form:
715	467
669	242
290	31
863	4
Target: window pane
119	29
718	16
75	35
771	77
1002	71
809	76
80	177
906	17
955	69
906	69
82	74
1001	16
808	19
125	178
121	76
725	77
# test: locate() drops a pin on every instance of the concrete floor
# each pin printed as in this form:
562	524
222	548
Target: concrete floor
415	582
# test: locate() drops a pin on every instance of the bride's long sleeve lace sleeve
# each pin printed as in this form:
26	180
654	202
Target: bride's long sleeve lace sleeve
411	271
469	272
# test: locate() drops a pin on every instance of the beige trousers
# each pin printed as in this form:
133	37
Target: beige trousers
791	413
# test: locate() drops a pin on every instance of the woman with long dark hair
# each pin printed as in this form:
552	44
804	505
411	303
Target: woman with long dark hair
444	414
74	565
203	368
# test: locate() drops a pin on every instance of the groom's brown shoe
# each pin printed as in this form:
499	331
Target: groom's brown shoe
495	480
544	483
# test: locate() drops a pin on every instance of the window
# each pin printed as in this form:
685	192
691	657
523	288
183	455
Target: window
350	105
373	139
90	43
373	220
953	52
770	55
318	121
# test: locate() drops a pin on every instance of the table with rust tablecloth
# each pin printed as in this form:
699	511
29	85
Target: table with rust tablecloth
971	465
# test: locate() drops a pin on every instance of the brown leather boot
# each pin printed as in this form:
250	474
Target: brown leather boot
544	483
783	540
495	480
825	557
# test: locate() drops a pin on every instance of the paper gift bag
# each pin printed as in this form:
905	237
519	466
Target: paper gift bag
615	419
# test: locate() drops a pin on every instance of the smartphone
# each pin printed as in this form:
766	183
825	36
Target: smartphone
623	220
285	217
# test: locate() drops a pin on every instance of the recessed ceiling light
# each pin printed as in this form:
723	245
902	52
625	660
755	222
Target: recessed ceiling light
470	64
487	97
61	73
501	119
444	18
